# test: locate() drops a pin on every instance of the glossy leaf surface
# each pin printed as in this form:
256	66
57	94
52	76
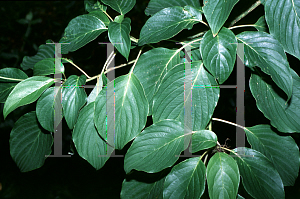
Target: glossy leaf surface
131	109
203	139
12	73
266	52
121	6
271	101
219	53
26	92
259	177
75	36
96	90
186	180
151	67
29	146
45	109
156	147
6	86
261	24
169	100
282	151
46	67
156	5
87	141
216	12
284	23
223	177
166	24
73	98
118	34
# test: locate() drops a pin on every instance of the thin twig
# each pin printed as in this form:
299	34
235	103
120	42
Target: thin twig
140	52
64	76
203	154
205	159
224	148
242	26
134	39
8	78
255	5
234	124
204	23
108	15
118	67
109	59
78	68
197	35
185	45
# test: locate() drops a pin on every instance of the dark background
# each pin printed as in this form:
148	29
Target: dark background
74	177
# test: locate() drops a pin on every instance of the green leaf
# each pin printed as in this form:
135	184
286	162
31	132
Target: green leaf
166	24
203	139
73	98
219	53
216	12
96	90
155	6
284	23
100	15
45	109
5	89
223	176
135	189
44	51
259	177
156	147
151	67
119	18
118	34
46	67
169	100
239	197
186	180
28	145
82	30
121	6
261	24
87	141
93	5
195	12
26	92
8	85
282	151
266	52
12	73
196	55
271	101
131	109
